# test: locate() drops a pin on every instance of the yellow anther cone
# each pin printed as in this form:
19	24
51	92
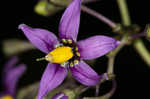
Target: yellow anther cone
6	97
60	55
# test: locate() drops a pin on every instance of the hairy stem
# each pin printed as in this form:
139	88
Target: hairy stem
98	16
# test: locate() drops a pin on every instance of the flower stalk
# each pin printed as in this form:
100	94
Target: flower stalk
112	55
124	12
138	45
98	16
107	95
111	60
141	49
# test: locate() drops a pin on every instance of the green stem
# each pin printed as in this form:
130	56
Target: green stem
113	54
124	12
141	49
110	69
138	45
126	22
107	95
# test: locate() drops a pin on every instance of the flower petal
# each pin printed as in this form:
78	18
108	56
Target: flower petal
10	64
85	74
60	96
52	77
11	78
69	24
97	46
41	38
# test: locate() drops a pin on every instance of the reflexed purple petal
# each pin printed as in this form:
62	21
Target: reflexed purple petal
60	96
69	24
41	38
10	64
96	46
52	77
11	78
85	74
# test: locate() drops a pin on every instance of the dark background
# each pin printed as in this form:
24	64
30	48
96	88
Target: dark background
132	73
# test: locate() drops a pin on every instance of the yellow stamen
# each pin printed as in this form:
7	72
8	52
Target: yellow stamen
69	41
62	65
76	49
6	97
64	40
77	53
71	64
76	62
60	55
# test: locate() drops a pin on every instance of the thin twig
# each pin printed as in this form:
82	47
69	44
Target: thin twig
141	49
97	90
84	89
98	16
89	1
107	95
111	92
110	69
138	45
135	36
124	12
112	55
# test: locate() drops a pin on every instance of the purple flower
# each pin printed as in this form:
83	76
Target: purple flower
10	77
65	52
60	96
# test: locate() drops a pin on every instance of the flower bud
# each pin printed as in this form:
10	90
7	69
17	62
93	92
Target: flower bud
148	31
40	8
46	9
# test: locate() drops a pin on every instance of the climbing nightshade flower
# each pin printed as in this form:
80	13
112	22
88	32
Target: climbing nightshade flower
10	77
65	53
